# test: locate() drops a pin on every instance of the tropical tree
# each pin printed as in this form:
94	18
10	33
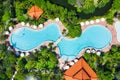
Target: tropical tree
21	63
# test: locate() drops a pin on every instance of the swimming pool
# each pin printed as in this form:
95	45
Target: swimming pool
95	36
117	27
25	39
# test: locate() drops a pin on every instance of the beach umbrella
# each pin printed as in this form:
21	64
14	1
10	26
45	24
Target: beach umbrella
35	12
22	54
6	32
102	19
57	19
40	26
98	52
93	51
10	28
91	22
97	20
82	23
22	23
27	24
88	51
87	22
34	27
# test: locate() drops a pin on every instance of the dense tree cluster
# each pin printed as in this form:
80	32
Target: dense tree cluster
7	63
107	66
88	6
39	64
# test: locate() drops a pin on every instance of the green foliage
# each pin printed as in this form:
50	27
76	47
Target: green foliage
107	65
88	7
3	76
6	16
72	2
30	65
1	9
7	63
110	21
72	33
102	3
44	60
48	62
116	5
21	63
20	75
114	48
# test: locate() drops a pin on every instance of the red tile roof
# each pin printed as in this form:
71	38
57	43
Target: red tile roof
35	12
80	71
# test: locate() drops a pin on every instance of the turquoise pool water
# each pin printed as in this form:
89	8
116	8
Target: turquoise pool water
26	39
117	27
95	36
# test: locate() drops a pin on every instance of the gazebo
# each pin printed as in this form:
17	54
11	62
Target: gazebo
80	71
35	12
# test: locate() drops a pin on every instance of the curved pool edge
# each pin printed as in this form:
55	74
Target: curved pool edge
47	41
105	45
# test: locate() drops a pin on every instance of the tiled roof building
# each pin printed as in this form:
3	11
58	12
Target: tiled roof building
80	71
35	12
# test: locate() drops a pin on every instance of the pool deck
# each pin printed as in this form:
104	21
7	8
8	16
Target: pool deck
112	30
